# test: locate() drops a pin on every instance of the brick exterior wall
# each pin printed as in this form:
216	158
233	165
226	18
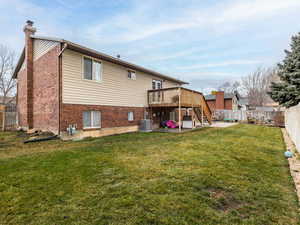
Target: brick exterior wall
212	104
111	116
228	104
38	93
22	98
220	100
46	91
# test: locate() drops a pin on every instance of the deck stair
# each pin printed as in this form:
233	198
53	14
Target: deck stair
198	113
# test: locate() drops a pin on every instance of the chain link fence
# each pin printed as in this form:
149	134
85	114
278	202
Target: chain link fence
8	117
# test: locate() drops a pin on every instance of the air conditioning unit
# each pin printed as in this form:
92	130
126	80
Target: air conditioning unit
146	125
187	122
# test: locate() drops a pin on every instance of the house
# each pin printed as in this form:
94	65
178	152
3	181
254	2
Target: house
64	86
219	100
243	103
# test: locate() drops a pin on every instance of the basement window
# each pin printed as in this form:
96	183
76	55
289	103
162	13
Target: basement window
91	119
130	116
92	69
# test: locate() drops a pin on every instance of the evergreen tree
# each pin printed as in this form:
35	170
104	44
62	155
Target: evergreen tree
287	92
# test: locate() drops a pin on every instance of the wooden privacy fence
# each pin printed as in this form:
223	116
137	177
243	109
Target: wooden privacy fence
8	117
251	116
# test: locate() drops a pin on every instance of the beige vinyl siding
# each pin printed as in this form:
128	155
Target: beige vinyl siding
115	89
40	47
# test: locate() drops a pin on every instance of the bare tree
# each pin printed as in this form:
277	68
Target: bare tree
226	87
7	83
229	87
257	85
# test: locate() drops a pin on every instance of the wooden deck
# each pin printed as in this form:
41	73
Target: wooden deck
179	97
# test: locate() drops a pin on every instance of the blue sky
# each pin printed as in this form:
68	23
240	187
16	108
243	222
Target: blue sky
203	42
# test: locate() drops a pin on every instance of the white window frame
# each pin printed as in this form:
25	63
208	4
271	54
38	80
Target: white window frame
128	116
132	72
156	82
93	60
92	119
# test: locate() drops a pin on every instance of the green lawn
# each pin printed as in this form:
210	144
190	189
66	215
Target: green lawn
235	175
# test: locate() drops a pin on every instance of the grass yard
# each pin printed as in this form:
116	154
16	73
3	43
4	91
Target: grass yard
235	175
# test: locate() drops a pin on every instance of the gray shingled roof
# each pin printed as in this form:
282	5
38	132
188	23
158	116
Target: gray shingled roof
213	97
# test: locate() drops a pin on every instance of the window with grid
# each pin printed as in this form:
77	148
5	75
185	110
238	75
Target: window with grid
91	119
92	69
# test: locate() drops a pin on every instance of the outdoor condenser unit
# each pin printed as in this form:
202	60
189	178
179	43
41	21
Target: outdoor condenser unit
145	125
187	122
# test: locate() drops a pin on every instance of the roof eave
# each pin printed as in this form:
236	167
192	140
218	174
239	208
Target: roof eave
47	38
19	64
96	54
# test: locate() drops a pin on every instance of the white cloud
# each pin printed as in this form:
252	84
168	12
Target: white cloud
219	64
138	24
254	9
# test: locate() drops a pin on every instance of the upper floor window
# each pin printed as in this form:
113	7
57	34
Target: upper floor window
131	75
156	84
92	70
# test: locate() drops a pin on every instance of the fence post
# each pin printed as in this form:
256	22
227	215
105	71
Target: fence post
2	108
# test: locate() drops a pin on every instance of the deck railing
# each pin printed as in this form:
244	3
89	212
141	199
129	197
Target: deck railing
172	96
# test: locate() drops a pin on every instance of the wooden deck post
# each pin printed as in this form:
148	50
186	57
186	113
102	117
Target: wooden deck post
179	108
193	115
202	114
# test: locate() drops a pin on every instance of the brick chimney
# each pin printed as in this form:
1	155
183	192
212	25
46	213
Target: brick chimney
220	103
29	30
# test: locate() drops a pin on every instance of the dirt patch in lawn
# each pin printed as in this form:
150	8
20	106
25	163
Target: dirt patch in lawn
224	201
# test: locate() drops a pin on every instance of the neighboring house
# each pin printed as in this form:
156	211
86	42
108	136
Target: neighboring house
223	101
243	103
62	84
268	106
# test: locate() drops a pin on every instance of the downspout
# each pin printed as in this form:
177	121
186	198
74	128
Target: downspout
63	47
